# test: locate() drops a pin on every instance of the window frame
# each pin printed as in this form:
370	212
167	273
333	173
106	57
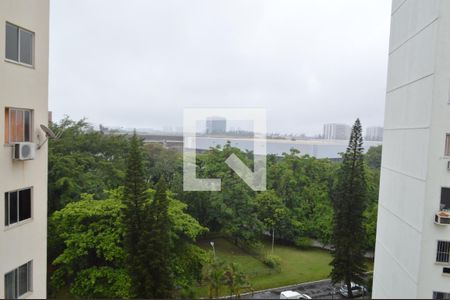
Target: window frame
447	208
8	124
7	206
447	145
19	30
441	254
16	278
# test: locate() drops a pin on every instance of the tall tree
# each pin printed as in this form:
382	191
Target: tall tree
155	245
349	203
134	200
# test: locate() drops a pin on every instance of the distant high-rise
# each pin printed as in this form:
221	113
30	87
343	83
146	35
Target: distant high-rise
336	131
374	133
216	125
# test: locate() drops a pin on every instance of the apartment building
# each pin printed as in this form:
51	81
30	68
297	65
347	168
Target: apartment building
374	133
412	255
216	125
24	40
336	131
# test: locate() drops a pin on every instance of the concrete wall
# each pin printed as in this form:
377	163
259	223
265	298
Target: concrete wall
25	87
414	168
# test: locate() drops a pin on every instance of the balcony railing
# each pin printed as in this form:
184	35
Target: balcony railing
442	218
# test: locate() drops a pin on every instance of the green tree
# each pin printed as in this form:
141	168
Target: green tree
83	161
349	204
373	157
134	212
271	211
213	275
155	246
235	279
91	261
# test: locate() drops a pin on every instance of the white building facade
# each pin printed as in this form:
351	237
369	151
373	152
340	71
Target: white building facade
412	255
24	40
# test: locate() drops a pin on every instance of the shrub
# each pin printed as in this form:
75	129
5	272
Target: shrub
304	242
272	261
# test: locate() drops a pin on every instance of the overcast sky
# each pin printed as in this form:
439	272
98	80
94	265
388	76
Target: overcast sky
138	63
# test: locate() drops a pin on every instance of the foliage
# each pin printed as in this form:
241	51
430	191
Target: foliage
164	163
213	276
373	157
92	234
271	211
154	246
235	279
370	225
83	161
350	201
233	211
135	219
272	261
303	242
93	257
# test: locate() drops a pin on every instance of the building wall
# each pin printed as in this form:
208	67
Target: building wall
414	168
25	87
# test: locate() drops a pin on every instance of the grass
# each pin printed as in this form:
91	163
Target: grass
296	265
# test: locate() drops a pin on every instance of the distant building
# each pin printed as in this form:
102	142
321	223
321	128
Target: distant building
336	131
216	125
374	133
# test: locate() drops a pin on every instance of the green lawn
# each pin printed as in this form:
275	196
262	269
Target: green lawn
296	266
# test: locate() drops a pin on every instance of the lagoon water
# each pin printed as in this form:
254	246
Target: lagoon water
316	148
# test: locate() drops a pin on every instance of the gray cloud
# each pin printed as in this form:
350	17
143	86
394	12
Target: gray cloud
139	63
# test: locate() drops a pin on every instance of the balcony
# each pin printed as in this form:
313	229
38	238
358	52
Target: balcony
442	218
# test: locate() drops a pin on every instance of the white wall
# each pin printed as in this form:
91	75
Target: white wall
25	87
417	119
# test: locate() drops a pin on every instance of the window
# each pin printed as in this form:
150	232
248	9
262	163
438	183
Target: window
19	281
445	199
446	271
17	206
19	44
440	295
447	145
18	125
443	252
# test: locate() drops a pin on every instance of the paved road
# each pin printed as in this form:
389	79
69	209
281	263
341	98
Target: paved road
317	290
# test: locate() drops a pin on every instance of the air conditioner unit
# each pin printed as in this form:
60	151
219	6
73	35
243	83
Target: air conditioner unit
24	151
448	165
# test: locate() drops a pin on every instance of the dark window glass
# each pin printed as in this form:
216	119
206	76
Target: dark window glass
439	295
27	126
30	275
6	209
12	42
13	207
445	198
23	279
24	204
446	270
26	47
10	285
